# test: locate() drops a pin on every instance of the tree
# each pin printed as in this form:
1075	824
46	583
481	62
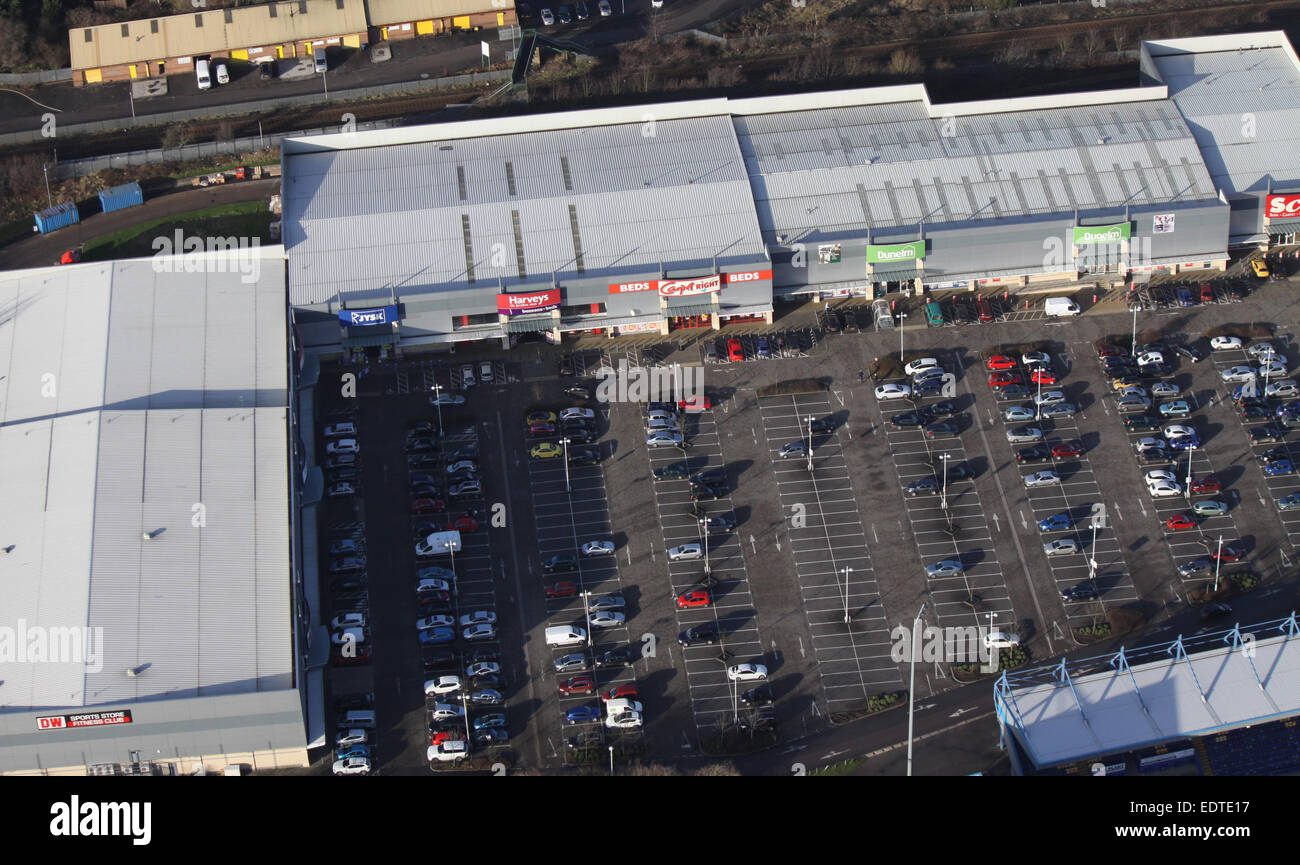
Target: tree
13	44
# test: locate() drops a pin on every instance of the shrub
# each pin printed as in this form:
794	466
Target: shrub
1124	619
1244	580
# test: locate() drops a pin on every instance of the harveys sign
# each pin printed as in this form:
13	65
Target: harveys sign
539	301
684	287
1283	206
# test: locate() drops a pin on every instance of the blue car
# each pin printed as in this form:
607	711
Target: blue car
1185	297
490	722
764	350
1273	468
928	388
437	636
352	751
1175	408
1056	523
582	715
1290	502
1182	443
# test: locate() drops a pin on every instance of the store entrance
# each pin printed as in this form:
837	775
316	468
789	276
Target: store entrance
682	322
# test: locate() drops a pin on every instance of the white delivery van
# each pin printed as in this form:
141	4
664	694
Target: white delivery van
203	73
565	635
363	718
223	75
1060	306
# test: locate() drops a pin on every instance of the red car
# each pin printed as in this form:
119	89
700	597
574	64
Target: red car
693	598
1002	379
1207	484
700	403
427	506
436	598
619	692
1000	362
1065	450
562	589
463	524
362	655
1180	522
1229	553
1043	377
1109	351
734	351
577	685
445	736
545	428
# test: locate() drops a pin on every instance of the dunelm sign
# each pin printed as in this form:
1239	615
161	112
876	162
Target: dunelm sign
899	252
1085	234
367	317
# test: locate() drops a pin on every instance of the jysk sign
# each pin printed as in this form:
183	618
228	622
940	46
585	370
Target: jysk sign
1281	206
83	719
1085	234
898	252
367	317
539	301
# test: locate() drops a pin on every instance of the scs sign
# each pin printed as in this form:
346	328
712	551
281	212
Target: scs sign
542	301
1280	206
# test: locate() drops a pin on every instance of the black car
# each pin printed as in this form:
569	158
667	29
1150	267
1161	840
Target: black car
706	634
706	493
342	473
422	461
420	444
578	423
942	428
1015	391
760	696
496	683
580	9
1081	592
348	584
583	456
434	658
960	472
929	387
941	409
1251	412
424	491
1191	352
561	563
482	654
563	16
909	419
469	452
720	524
673	472
1215	610
850	322
1034	454
822	425
922	487
420	428
709	476
354	701
1153	346
1154	456
670	407
581	437
576	392
1141	423
1265	434
492	736
613	657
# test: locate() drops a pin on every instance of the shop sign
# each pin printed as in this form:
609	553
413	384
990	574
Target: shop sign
1085	234
1280	206
626	287
898	252
541	301
688	287
1162	223
748	276
828	253
83	719
367	317
640	327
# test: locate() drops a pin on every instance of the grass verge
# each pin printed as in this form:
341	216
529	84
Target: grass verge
243	219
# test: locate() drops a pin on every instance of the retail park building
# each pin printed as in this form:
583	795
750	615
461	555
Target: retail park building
181	389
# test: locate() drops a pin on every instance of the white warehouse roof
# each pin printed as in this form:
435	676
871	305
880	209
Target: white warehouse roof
135	401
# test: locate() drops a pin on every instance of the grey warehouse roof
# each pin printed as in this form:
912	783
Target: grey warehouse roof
893	165
136	401
1241	104
515	207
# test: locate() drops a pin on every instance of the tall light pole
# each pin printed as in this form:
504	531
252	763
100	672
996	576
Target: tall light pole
1133	348
565	441
943	498
611	759
1092	556
808	420
437	402
464	709
1187	489
1218	560
846	570
901	317
911	688
46	168
586	608
704	541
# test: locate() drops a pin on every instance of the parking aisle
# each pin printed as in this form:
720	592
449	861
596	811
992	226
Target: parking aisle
832	563
714	699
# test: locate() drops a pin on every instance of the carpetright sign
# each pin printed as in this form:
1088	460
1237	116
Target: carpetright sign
898	252
1084	234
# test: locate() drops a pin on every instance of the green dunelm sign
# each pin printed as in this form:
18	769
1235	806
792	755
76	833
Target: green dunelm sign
1102	233
899	252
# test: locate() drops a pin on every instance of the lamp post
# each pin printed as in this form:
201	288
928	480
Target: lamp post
943	498
808	420
846	570
565	441
1218	560
901	317
911	688
437	402
464	709
611	759
1133	347
1187	488
585	594
1092	556
704	541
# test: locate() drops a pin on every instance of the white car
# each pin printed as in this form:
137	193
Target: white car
946	568
478	617
1175	430
1156	475
605	9
343	446
467	375
598	548
1024	434
686	553
354	736
1261	350
607	602
1131	390
442	685
348	620
1000	640
1165	388
624	720
548	17
656	4
1042	479
662	438
1035	357
623	704
352	766
746	672
1143	445
478	633
462	466
915	366
893	391
448	751
1225	343
485	372
1061	547
577	414
1237	373
465	488
1164	490
1149	357
1049	397
446	712
1272	369
607	619
1285	389
447	399
432	584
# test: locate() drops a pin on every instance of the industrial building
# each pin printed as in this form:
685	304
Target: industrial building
151	622
282	28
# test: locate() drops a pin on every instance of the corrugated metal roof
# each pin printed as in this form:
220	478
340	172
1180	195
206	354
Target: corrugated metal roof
184	35
168	392
398	11
1241	106
814	173
394	218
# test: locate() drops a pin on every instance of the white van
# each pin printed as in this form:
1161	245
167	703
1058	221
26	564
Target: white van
362	718
565	635
203	73
1060	306
320	59
223	75
340	430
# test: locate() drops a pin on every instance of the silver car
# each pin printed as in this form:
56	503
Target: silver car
1042	479
1061	547
946	568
